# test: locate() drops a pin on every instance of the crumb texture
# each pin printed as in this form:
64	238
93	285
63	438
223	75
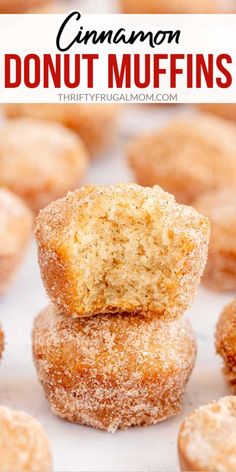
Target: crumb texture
226	342
121	248
113	371
207	440
24	446
21	6
187	157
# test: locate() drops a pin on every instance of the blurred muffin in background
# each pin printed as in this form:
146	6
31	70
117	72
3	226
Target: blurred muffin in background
188	157
1	342
16	224
96	124
207	438
113	371
40	161
225	342
57	7
170	6
21	6
96	254
220	207
224	110
24	445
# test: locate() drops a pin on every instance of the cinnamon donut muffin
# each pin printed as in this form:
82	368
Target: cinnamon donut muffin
122	248
173	6
220	207
96	123
24	445
113	371
40	161
207	438
21	6
226	343
60	6
1	342
224	110
16	225
188	157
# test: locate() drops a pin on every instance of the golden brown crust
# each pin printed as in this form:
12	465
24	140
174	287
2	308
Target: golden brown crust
224	110
96	124
113	371
1	342
220	207
207	438
21	6
226	342
46	160
16	226
122	248
187	157
24	445
173	6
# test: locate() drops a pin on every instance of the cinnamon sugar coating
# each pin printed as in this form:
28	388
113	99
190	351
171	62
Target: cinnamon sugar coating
113	371
24	445
21	6
173	6
207	438
16	227
96	123
121	248
188	157
220	207
40	161
226	343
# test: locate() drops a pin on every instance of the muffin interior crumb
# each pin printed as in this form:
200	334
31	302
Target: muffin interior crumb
135	246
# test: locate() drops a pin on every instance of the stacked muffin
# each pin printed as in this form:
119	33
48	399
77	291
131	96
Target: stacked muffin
121	265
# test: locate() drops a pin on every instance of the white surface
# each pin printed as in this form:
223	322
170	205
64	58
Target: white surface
77	448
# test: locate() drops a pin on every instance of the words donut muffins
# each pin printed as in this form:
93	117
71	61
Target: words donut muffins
40	161
16	225
220	208
173	6
226	342
113	371
21	6
187	157
119	249
24	446
96	124
207	438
